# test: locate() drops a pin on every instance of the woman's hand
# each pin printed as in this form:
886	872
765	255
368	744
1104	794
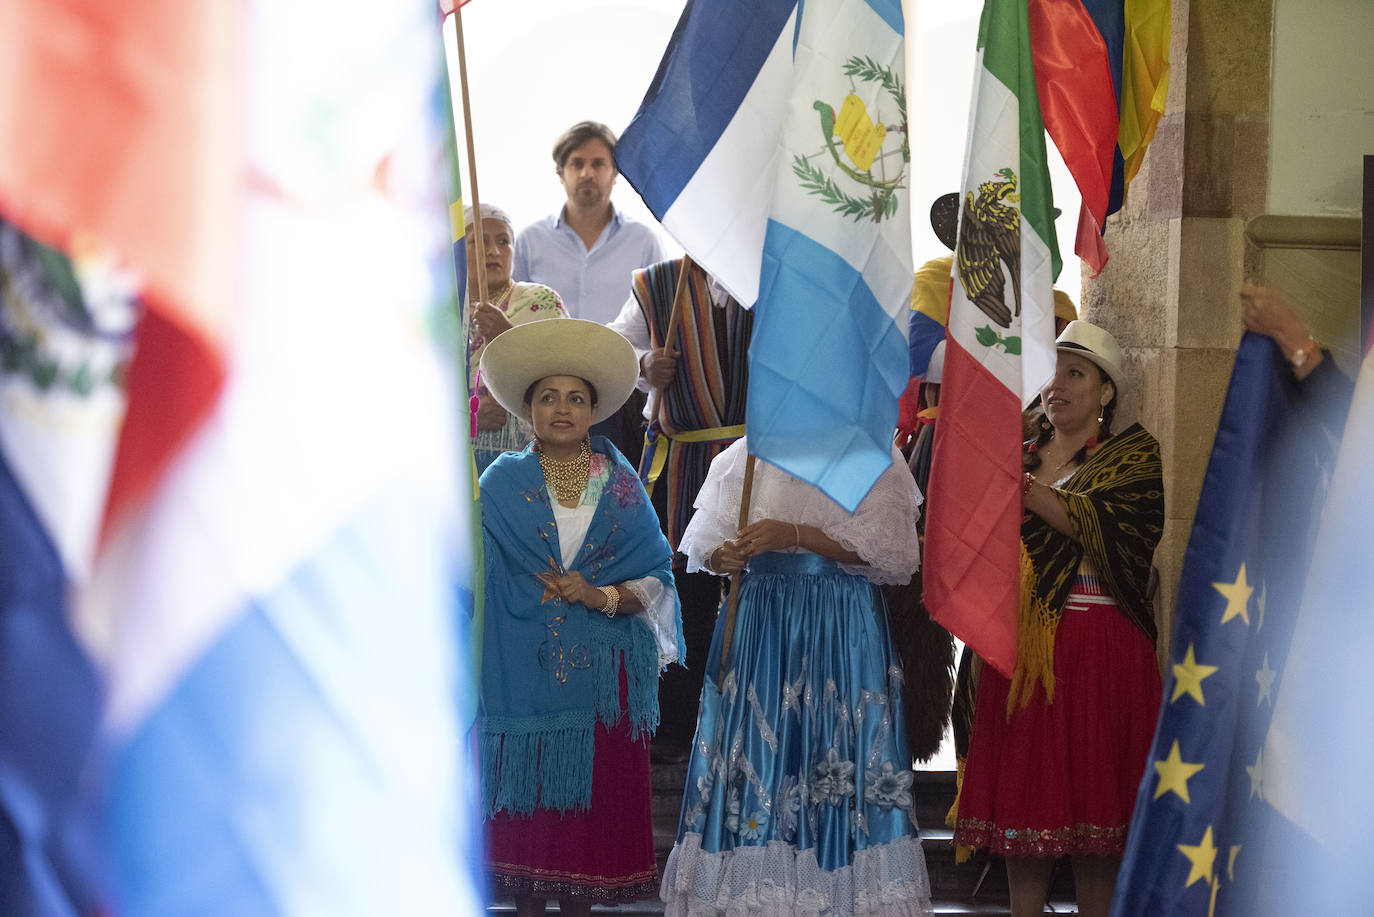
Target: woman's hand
491	322
768	535
490	414
1041	500
1268	312
573	588
728	559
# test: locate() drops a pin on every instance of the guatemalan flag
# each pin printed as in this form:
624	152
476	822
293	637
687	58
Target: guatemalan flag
1000	346
773	145
232	561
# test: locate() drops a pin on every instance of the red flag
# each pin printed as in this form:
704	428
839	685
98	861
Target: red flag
1102	69
119	126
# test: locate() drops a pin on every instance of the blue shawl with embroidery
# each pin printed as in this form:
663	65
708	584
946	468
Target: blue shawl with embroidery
550	670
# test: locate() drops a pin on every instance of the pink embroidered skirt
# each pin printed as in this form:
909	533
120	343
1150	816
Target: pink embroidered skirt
604	854
1062	778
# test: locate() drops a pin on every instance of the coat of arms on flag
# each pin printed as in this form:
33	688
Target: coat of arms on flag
773	145
860	141
1000	346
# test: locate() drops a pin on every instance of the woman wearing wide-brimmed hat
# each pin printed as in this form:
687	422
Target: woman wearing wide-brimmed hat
1057	752
581	616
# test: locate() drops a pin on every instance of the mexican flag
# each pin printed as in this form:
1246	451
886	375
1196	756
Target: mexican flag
1000	346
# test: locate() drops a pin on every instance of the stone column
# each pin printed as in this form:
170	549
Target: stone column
1178	254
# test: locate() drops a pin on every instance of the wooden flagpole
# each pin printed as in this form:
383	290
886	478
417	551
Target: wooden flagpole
480	240
733	604
479	602
670	334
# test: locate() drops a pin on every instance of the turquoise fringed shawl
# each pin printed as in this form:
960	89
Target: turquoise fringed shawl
550	670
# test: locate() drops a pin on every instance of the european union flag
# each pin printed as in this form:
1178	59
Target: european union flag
1205	839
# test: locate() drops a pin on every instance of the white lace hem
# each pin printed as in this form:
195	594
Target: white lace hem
777	880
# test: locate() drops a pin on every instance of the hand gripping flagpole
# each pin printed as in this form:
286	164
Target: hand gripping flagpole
651	434
733	604
670	333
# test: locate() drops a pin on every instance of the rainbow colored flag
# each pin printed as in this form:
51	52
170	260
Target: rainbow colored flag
1102	71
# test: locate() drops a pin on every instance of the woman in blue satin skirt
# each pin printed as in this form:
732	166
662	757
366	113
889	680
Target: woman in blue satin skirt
799	787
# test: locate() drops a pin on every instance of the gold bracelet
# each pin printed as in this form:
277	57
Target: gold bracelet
612	605
796	536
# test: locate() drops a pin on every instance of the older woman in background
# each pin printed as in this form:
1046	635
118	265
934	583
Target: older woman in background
508	303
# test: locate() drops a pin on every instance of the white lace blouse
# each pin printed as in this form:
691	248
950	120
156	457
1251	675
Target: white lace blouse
882	530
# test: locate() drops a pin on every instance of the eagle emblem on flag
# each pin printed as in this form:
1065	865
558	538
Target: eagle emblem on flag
989	250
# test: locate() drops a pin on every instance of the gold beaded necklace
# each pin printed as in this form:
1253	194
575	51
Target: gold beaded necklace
567	479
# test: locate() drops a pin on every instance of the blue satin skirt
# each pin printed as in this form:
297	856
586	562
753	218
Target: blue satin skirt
799	786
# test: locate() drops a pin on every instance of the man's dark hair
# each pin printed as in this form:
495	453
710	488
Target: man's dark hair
579	134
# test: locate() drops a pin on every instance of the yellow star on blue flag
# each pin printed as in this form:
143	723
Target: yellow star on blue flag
1201	855
1174	773
1237	598
1265	677
1188	676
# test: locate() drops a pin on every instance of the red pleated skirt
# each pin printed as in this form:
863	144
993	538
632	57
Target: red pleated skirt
604	854
1062	778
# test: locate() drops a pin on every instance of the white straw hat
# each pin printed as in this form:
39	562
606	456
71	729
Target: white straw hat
517	358
1092	343
936	370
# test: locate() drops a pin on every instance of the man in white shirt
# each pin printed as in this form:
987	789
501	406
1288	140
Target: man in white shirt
588	249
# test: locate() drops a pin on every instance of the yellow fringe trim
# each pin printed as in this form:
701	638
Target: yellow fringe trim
961	851
953	814
1034	643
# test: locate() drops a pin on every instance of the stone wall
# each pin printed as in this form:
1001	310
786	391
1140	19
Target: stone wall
1178	251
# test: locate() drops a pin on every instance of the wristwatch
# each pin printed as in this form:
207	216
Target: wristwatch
1302	354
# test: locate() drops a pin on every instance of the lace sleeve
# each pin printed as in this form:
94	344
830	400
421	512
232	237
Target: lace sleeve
660	613
883	529
717	508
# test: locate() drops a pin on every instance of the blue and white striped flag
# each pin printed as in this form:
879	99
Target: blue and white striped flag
773	145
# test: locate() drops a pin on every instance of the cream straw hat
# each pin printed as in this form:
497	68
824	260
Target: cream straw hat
517	358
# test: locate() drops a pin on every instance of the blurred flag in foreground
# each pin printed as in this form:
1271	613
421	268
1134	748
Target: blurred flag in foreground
999	350
1315	753
228	449
772	144
1210	834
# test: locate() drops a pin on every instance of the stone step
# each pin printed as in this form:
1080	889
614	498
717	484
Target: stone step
655	908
